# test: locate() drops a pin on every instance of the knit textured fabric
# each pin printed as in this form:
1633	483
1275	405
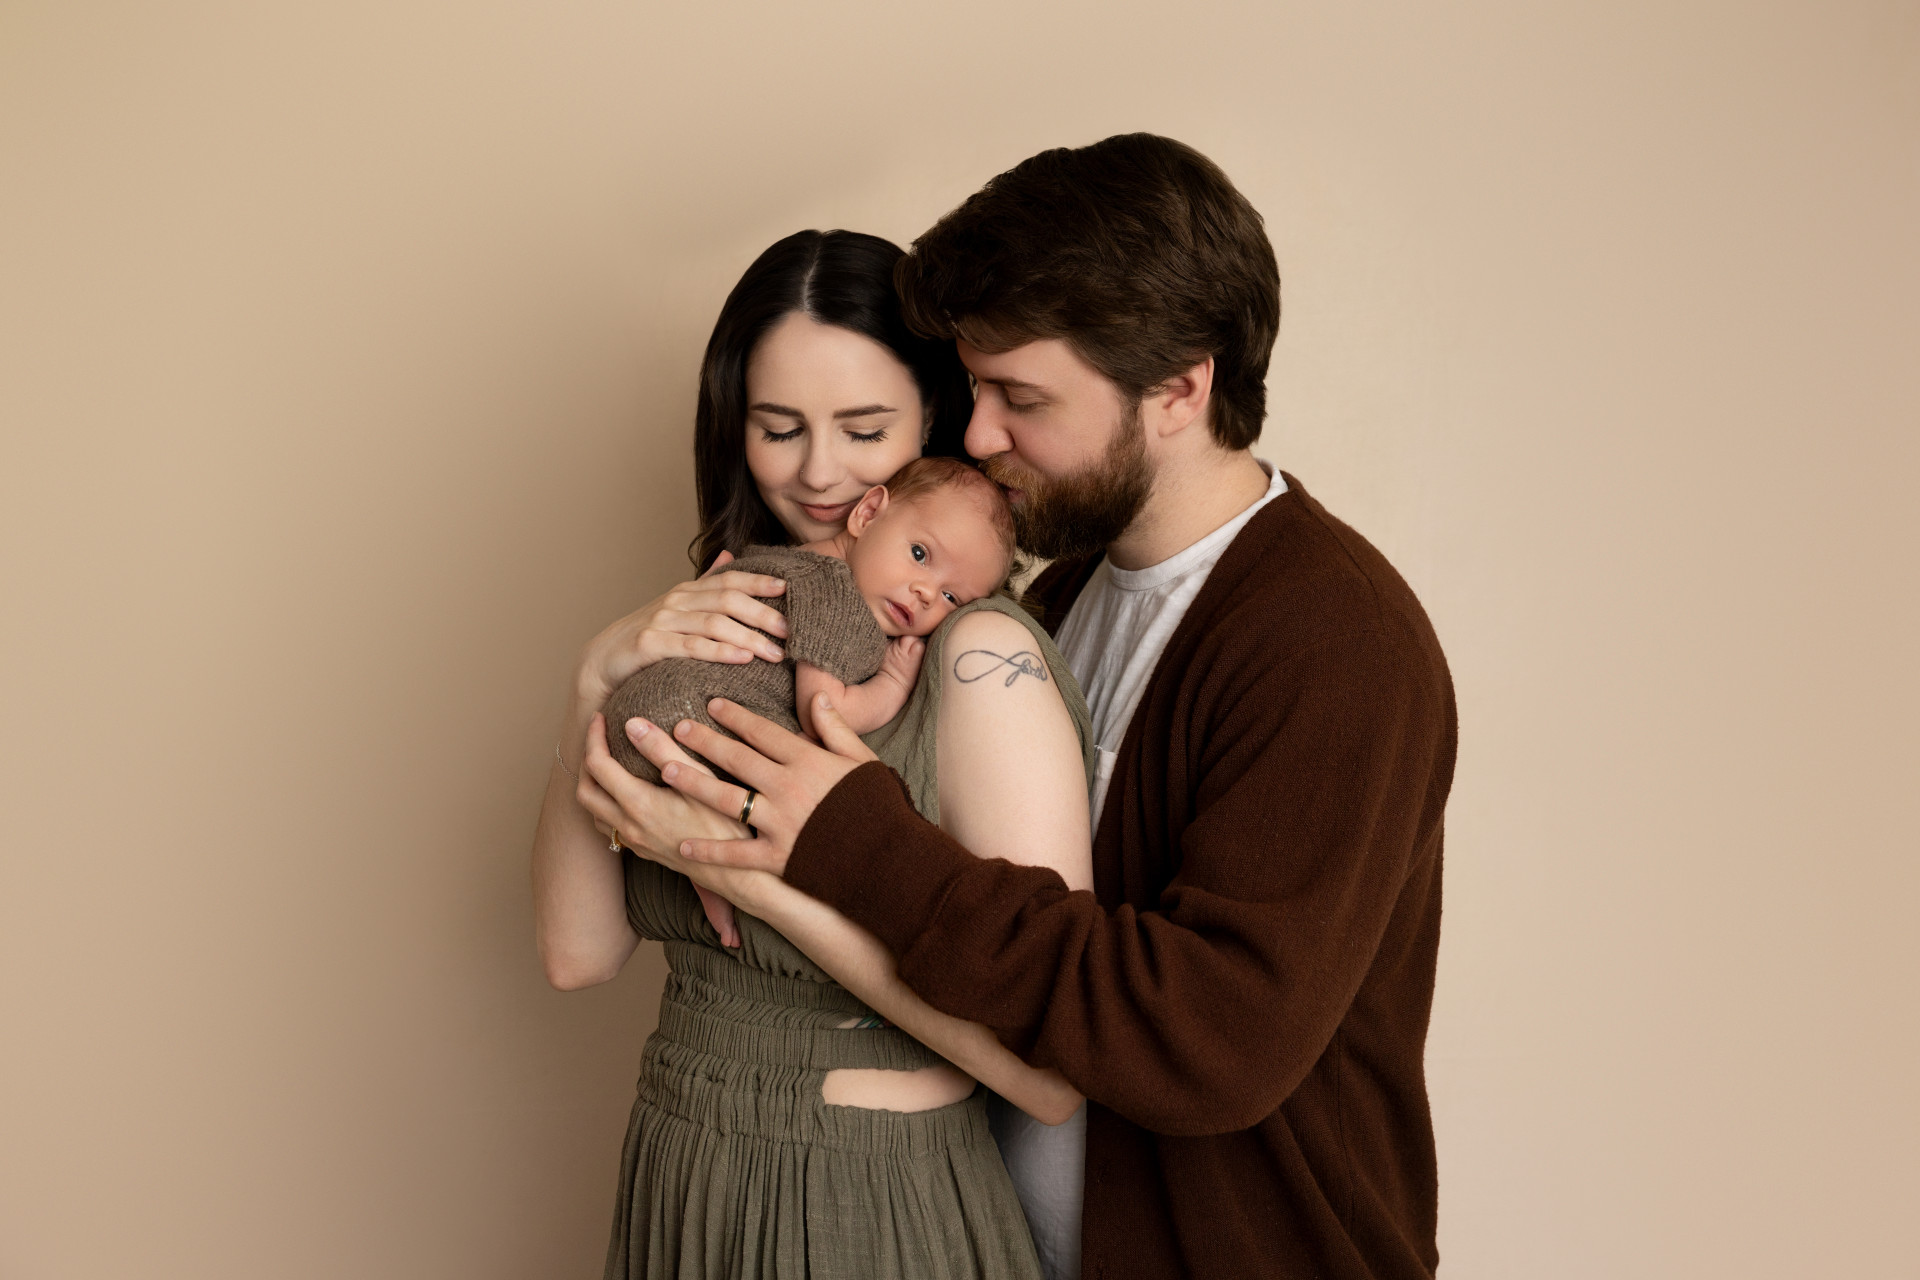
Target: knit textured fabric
829	625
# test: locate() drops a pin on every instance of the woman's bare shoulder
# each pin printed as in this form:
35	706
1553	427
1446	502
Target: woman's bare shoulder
988	643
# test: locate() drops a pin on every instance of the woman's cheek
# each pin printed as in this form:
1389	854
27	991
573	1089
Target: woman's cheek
877	467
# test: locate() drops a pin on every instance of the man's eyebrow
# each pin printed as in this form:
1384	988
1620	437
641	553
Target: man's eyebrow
1010	382
864	411
768	407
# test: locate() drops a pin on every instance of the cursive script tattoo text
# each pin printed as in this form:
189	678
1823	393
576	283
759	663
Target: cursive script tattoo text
1024	663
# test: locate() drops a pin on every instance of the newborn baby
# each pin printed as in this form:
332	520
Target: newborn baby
934	537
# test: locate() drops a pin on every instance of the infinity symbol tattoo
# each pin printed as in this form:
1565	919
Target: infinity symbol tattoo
1024	663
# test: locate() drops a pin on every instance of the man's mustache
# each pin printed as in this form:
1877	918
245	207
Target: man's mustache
1008	474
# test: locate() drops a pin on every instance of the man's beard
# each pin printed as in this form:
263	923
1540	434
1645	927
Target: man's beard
1083	512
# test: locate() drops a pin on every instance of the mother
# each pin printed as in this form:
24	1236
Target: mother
782	1128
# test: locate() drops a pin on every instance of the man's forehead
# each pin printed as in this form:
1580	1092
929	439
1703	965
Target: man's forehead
1042	362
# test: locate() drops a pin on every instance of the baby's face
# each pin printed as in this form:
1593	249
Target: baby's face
918	561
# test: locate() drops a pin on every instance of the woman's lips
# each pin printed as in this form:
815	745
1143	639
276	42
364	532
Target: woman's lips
835	514
900	615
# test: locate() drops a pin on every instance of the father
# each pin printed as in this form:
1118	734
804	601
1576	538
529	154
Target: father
1244	997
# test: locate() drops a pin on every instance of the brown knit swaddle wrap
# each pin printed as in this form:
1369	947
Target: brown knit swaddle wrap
829	625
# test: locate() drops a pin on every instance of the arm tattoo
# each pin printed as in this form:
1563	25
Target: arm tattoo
1024	663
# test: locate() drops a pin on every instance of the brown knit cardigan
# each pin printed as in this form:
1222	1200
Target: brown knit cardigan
1244	995
829	626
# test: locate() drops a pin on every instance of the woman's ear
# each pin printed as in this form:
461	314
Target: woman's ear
867	510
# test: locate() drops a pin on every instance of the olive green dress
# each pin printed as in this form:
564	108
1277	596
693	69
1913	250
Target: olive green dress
734	1167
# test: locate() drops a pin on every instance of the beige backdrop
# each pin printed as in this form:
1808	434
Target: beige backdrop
346	356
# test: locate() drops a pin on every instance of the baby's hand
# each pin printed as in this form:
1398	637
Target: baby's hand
865	707
720	916
902	664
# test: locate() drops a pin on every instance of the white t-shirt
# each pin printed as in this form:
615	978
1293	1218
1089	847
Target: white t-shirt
1112	640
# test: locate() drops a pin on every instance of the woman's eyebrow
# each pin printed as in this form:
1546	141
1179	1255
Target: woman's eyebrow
780	409
865	410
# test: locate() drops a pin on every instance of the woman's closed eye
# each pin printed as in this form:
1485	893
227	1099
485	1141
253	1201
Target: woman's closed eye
780	437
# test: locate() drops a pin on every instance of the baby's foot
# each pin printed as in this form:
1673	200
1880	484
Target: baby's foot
720	916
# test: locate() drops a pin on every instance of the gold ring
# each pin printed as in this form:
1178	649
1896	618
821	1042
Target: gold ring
746	809
613	845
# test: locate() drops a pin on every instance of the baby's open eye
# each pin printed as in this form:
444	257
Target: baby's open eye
950	599
919	554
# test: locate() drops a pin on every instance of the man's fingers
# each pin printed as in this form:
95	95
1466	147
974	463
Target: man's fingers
721	797
736	758
751	855
659	747
836	735
758	732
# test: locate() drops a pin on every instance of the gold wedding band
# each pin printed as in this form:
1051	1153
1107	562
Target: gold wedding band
746	809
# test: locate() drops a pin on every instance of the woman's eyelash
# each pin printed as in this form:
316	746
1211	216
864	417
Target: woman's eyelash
869	437
777	436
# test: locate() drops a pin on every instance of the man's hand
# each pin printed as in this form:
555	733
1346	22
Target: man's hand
653	821
790	775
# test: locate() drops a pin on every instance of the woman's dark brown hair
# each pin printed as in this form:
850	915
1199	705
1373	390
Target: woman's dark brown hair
841	278
1136	250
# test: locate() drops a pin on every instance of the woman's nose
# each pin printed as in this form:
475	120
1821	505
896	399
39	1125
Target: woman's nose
820	471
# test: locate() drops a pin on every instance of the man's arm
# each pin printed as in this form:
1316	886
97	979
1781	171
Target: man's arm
1202	1015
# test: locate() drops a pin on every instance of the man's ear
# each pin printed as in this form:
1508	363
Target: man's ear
1182	399
867	510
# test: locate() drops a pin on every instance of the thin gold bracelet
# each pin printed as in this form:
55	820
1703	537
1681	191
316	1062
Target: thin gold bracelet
563	763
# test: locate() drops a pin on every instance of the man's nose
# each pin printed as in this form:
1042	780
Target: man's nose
985	435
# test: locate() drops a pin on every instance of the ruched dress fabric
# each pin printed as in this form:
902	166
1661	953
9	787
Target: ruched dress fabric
734	1167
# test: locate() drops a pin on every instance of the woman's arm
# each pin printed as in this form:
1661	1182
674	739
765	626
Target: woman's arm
1013	781
859	962
850	955
579	891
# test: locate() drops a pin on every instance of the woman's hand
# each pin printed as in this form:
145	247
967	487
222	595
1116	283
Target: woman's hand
710	618
652	820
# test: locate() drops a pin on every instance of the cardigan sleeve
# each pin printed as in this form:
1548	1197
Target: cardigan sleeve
1310	806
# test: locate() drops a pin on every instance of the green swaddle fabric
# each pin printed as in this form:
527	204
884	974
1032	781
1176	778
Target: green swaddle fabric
734	1167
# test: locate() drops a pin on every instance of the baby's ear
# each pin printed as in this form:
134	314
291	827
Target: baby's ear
867	510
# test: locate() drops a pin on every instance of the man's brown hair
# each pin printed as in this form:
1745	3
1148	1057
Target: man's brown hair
1137	251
